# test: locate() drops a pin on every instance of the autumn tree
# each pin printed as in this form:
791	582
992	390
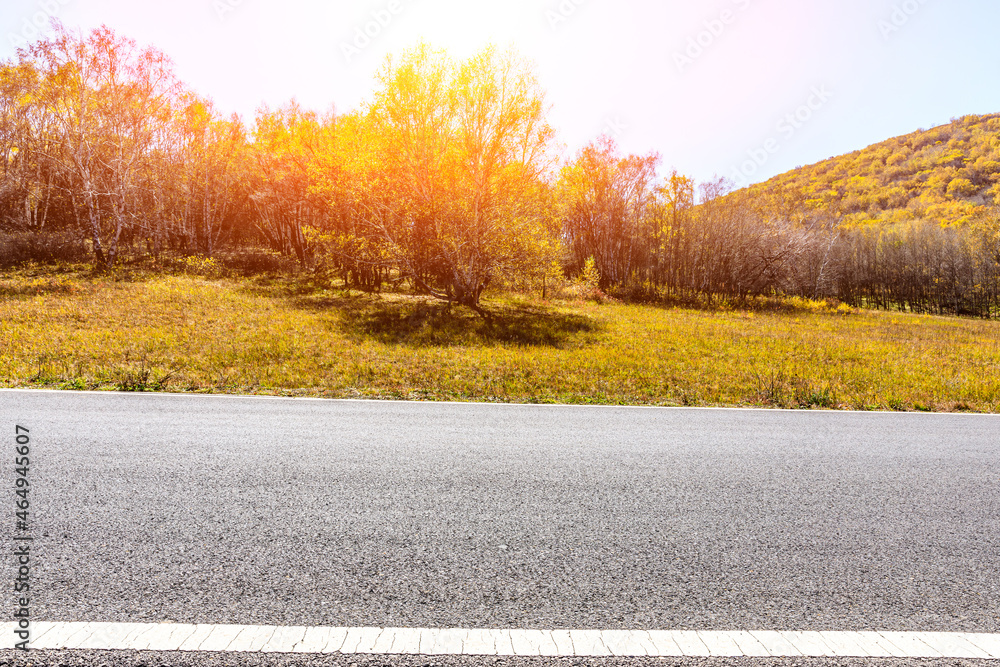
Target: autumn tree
211	180
674	234
348	180
742	248
25	181
286	143
464	158
446	179
109	104
605	201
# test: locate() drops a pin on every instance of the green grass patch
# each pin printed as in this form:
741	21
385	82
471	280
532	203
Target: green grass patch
195	334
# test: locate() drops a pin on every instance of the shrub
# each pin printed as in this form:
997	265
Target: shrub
255	261
588	285
962	187
46	248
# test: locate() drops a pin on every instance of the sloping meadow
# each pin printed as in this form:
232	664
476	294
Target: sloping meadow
191	334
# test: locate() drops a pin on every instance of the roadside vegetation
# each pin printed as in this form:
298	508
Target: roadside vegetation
447	181
432	245
192	331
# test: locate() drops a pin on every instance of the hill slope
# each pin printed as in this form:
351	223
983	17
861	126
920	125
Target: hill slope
949	174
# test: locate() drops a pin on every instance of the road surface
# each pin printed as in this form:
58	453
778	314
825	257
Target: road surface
259	511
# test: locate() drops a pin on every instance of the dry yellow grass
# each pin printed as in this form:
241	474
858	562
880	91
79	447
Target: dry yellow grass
181	333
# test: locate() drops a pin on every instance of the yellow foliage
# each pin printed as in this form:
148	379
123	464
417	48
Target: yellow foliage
946	174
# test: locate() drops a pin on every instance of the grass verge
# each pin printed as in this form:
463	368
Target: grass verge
191	334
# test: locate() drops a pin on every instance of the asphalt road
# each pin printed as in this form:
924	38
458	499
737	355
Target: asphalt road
289	512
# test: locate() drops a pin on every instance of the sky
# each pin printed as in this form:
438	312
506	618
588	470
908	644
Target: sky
744	89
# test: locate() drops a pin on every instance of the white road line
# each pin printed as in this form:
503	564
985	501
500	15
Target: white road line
665	643
952	645
366	639
462	641
284	640
876	645
198	637
449	642
57	635
524	642
691	644
38	629
73	640
405	642
164	637
504	642
909	643
845	644
720	644
811	644
384	641
624	642
220	637
775	643
315	640
749	645
589	643
480	642
253	638
988	643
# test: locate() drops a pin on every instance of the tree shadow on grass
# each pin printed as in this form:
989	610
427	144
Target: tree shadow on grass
426	323
40	287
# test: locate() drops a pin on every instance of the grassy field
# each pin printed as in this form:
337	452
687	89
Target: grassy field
192	334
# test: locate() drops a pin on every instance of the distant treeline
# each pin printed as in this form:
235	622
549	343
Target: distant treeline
447	180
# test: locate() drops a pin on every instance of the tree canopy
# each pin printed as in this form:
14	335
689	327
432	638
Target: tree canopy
447	179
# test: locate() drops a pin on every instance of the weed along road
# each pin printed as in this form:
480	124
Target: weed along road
301	519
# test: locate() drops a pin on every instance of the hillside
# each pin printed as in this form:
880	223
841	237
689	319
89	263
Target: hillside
949	174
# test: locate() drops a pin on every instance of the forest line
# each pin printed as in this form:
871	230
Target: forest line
448	179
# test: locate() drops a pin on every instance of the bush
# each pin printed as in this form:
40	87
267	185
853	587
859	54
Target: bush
588	285
18	248
962	187
257	261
